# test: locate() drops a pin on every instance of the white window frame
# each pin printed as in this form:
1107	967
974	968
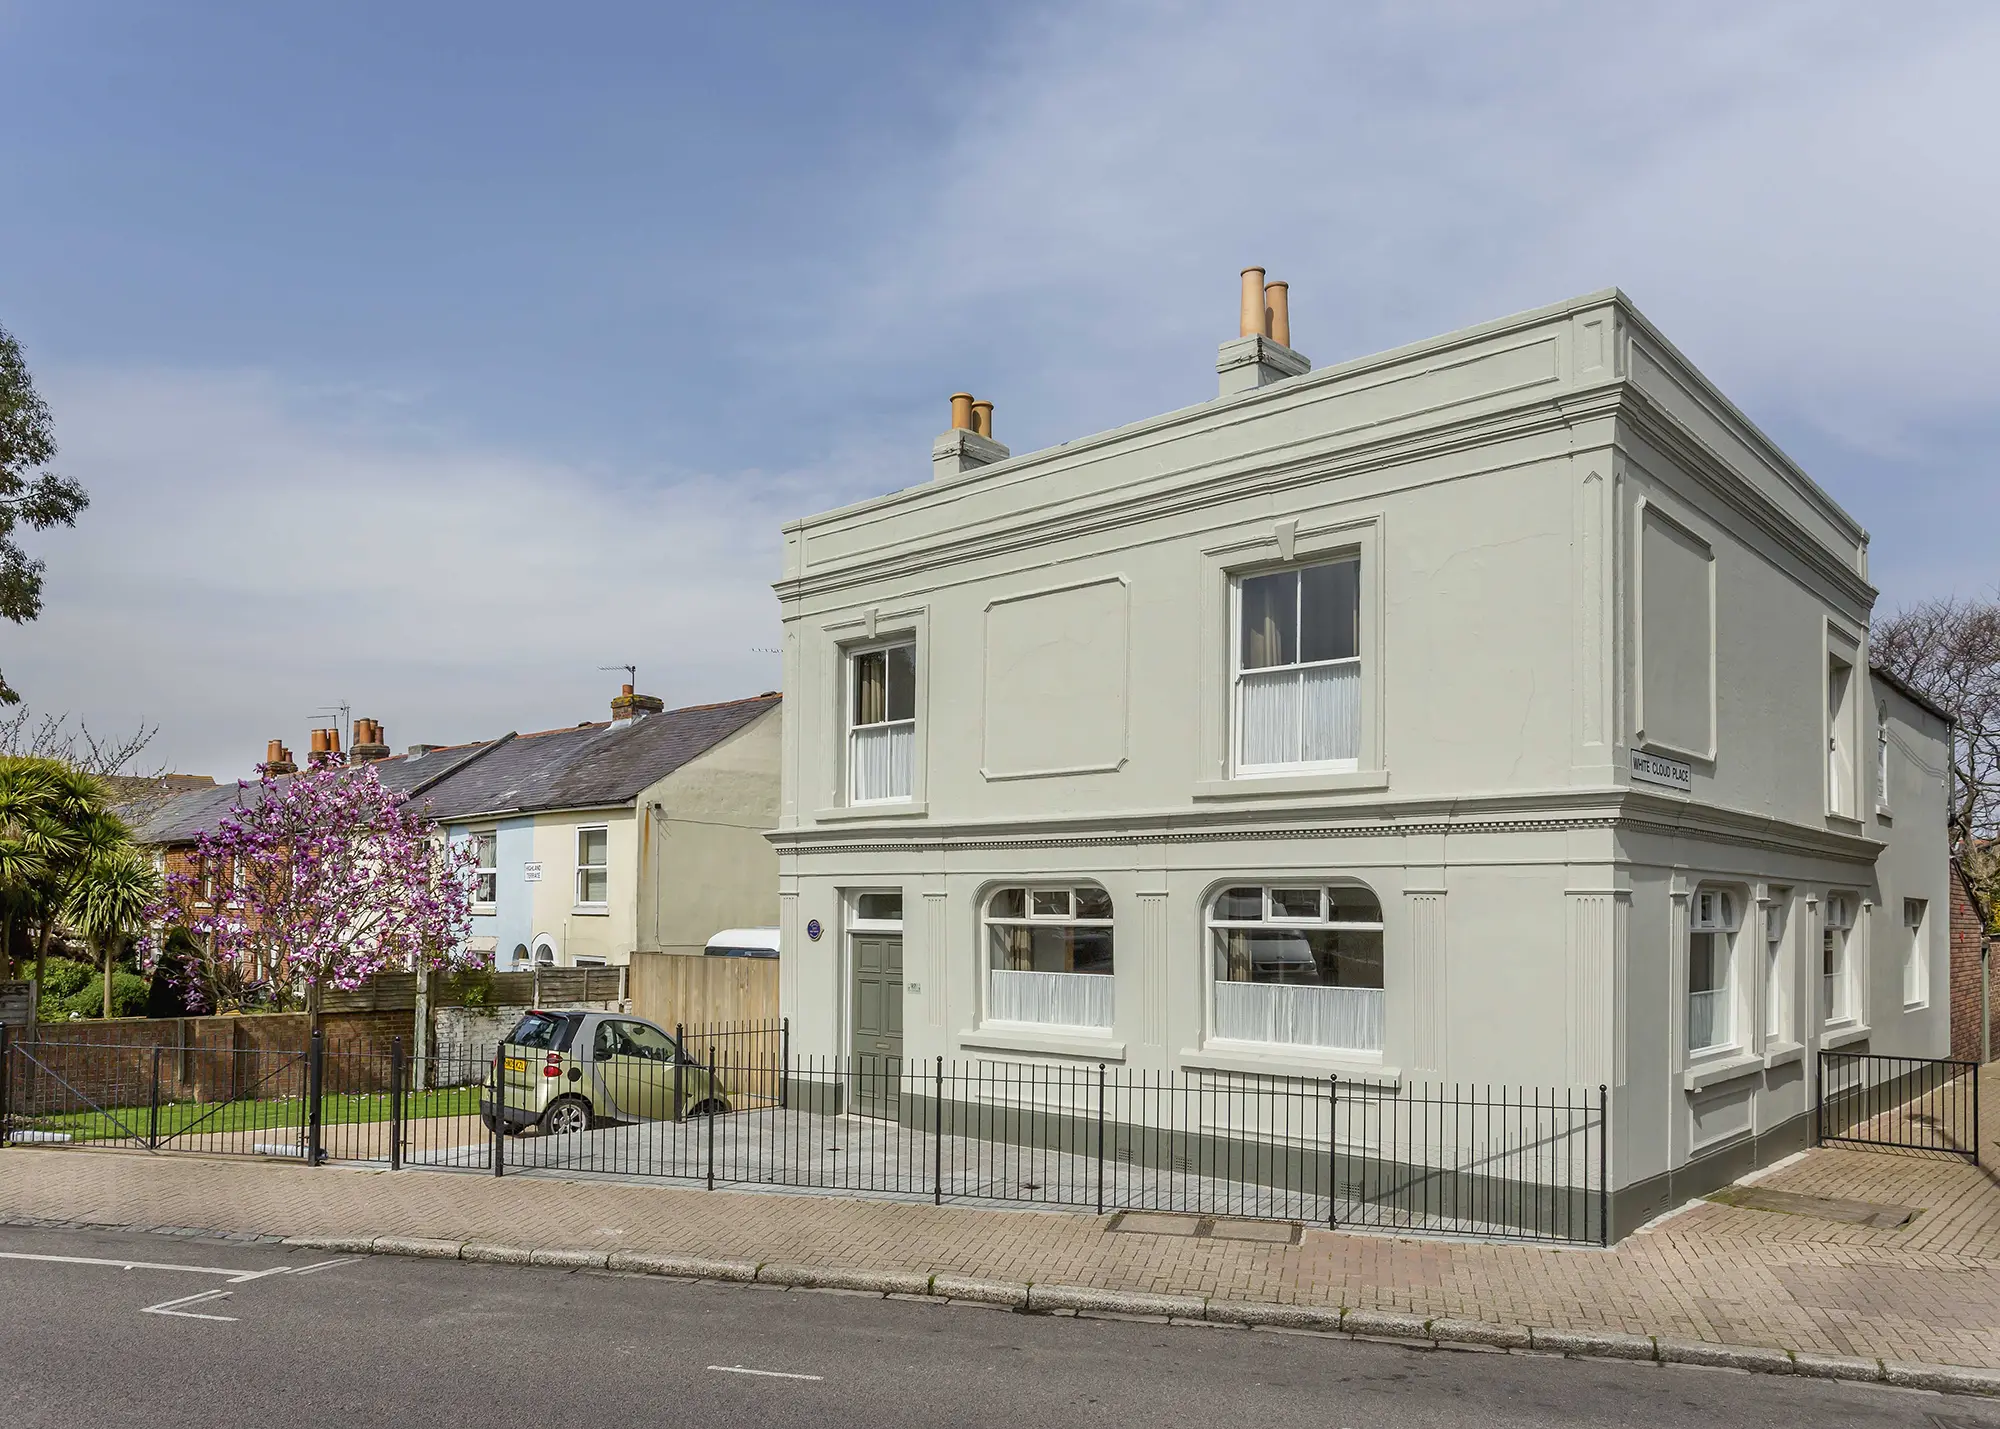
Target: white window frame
582	868
483	871
1775	924
1713	913
1241	768
1288	922
851	657
1882	759
1842	765
1916	954
858	924
989	921
1836	989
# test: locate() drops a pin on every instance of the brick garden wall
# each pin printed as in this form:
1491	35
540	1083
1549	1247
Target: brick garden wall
201	1058
1966	936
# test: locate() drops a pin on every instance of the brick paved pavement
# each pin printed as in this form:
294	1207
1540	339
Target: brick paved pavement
1925	1292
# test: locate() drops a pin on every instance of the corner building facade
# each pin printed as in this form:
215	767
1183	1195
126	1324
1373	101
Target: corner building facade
1493	710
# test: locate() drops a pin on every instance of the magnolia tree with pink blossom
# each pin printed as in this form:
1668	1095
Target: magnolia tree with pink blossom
325	879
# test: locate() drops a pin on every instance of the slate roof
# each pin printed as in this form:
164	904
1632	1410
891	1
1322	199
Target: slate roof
590	766
1910	692
183	815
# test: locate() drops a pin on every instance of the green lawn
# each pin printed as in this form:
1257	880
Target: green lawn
204	1118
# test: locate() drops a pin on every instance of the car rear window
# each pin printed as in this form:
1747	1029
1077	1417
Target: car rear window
543	1030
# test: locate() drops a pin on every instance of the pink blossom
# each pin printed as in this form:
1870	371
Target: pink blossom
325	878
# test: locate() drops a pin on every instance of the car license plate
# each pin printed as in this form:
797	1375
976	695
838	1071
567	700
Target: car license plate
517	1064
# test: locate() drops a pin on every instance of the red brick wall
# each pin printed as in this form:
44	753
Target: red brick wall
1966	1044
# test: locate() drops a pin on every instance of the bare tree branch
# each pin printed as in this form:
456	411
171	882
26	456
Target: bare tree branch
1949	650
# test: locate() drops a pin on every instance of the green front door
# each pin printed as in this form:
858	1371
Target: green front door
878	1024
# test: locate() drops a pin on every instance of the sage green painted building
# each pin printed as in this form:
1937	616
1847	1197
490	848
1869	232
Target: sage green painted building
1495	709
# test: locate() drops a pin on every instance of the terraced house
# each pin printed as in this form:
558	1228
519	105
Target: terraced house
1495	709
643	834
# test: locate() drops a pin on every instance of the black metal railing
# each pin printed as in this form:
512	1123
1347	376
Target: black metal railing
1490	1161
1924	1104
734	1108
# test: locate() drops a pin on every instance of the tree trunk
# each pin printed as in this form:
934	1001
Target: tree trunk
104	954
42	952
7	948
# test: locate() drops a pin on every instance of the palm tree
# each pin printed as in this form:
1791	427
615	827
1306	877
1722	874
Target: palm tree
117	891
30	846
53	826
89	841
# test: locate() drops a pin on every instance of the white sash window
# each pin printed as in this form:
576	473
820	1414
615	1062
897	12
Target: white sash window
882	727
1711	1020
1297	669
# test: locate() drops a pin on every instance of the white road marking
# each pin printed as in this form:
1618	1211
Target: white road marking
762	1373
311	1269
236	1277
178	1307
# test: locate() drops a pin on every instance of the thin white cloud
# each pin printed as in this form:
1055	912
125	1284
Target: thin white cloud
1797	188
242	565
1796	191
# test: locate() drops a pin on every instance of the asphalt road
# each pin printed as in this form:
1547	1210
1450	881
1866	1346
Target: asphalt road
425	1344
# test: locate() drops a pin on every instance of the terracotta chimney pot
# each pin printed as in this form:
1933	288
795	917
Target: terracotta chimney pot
624	689
982	418
1252	322
961	412
1278	313
274	752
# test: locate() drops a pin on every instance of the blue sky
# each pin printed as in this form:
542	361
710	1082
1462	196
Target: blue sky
431	356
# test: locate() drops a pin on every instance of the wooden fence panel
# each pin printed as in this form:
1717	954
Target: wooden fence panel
675	987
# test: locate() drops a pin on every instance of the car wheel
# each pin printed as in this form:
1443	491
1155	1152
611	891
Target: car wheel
714	1106
570	1114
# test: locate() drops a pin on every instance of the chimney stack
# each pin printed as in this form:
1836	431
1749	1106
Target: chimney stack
369	742
969	444
1262	352
278	759
627	707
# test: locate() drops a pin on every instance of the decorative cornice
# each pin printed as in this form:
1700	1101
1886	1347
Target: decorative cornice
1645	417
1261	471
1613	811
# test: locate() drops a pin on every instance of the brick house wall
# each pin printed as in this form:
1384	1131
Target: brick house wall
1968	938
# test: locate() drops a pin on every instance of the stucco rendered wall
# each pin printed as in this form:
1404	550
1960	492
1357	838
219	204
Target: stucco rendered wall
607	933
1496	486
705	863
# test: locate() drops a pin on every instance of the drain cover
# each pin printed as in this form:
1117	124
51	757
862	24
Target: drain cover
1825	1208
1205	1227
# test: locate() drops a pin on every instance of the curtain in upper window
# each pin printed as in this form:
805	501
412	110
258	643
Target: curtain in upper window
1299	675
